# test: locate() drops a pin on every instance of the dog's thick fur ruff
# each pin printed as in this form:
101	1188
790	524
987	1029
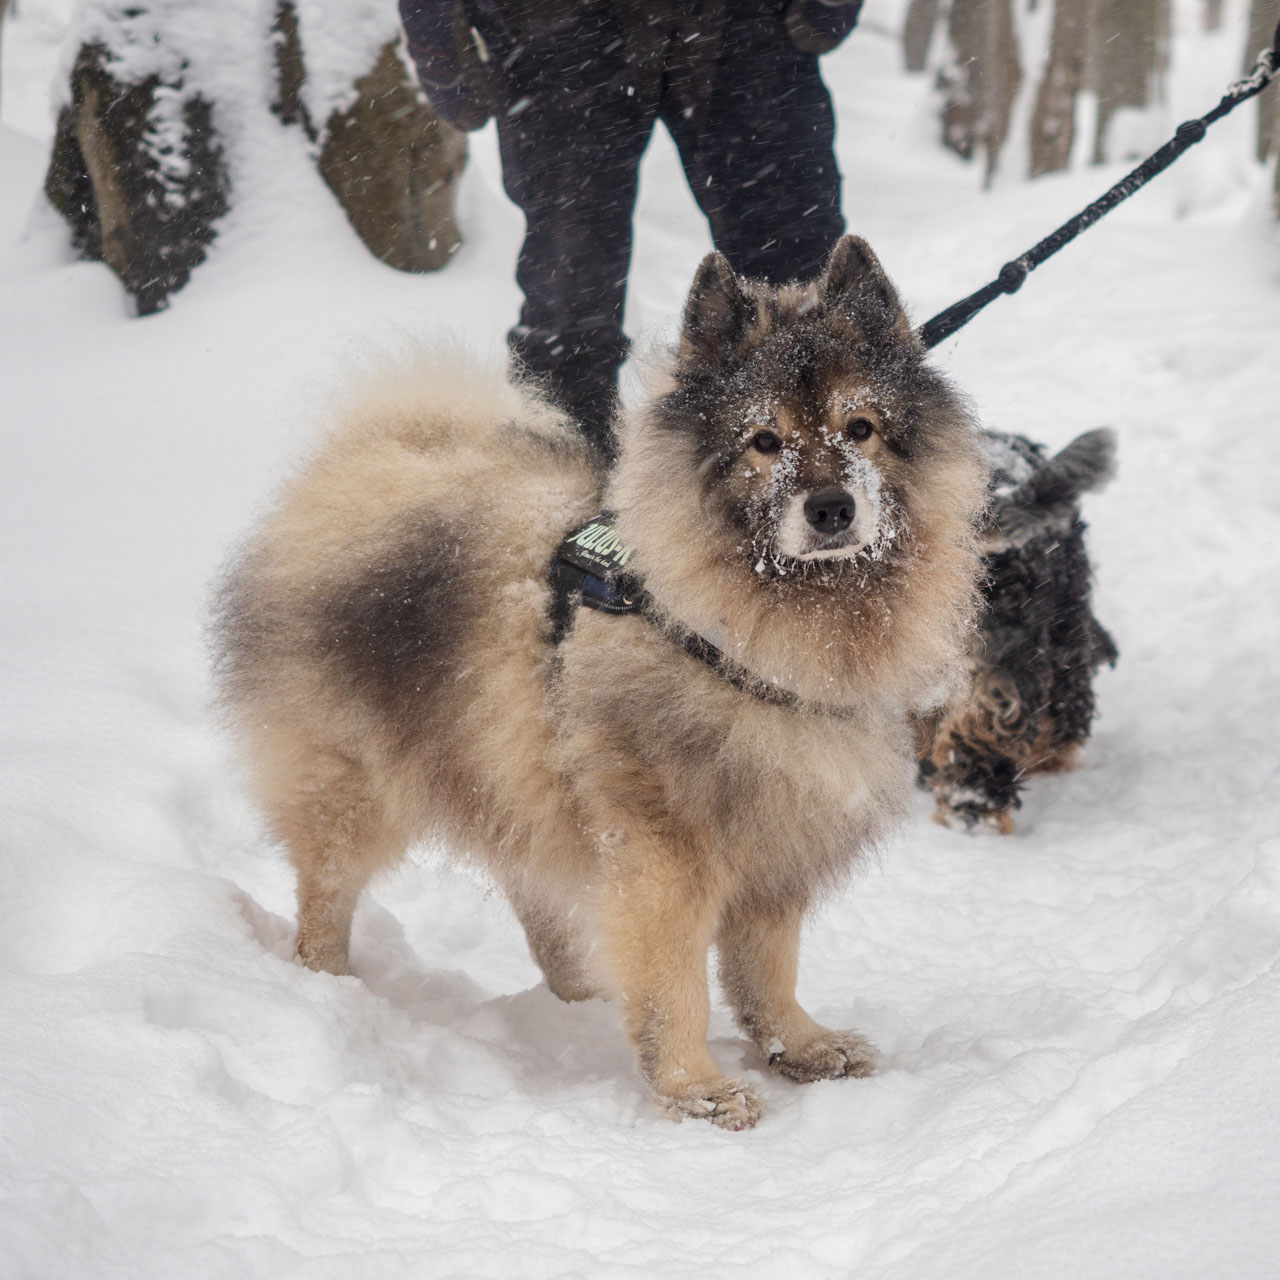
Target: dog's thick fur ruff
1028	704
385	657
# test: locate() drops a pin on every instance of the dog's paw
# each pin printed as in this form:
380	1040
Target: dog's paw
832	1055
728	1104
572	989
322	958
987	822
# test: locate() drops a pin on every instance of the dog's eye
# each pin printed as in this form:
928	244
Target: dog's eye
859	428
766	442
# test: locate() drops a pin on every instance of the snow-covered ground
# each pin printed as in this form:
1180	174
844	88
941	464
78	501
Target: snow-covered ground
1080	1024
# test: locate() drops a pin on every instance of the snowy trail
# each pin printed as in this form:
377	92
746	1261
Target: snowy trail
1079	1024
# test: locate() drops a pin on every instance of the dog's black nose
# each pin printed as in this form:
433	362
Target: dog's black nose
829	510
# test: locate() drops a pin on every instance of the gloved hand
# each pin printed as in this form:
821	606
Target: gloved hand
450	60
817	26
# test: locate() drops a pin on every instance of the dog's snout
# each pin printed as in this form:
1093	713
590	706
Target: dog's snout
829	510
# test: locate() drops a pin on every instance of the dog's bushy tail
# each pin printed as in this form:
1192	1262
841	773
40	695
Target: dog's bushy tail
433	395
1088	462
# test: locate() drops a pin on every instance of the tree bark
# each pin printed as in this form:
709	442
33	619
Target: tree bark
291	69
137	172
394	166
390	161
1275	124
917	32
137	166
959	76
1263	16
1128	57
4	8
981	79
1053	122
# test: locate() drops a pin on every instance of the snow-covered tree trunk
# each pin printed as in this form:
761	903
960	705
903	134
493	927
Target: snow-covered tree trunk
1117	48
290	68
1053	122
137	167
141	169
394	166
917	32
1275	147
1029	61
392	163
979	78
1128	59
4	8
1263	16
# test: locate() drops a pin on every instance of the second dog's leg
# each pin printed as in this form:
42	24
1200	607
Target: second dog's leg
657	916
976	775
758	957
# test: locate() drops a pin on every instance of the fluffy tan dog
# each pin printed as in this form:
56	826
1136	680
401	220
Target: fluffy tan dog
801	495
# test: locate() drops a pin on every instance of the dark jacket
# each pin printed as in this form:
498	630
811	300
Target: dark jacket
454	42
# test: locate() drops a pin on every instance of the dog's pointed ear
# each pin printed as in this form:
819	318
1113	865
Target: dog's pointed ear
855	284
717	314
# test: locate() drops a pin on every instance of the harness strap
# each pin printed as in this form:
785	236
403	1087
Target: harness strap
585	572
572	586
1014	274
589	568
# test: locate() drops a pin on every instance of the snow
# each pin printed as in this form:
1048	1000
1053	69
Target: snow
1078	1023
210	58
334	66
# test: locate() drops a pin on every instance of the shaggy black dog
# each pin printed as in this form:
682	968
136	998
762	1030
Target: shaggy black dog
1029	702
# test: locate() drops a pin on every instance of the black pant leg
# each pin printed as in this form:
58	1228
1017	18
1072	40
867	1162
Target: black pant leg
756	135
571	138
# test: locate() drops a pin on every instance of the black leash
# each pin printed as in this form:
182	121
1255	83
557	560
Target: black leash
1013	274
589	568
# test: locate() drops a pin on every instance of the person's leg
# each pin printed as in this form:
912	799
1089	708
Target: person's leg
571	138
756	135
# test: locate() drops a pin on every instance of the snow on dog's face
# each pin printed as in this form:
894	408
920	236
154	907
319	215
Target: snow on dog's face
815	494
810	408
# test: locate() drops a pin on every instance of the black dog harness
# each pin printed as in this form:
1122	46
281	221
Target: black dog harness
589	570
